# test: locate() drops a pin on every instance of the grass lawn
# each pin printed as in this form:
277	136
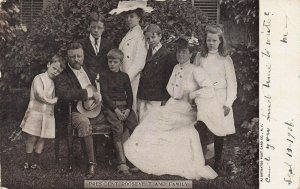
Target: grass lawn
55	175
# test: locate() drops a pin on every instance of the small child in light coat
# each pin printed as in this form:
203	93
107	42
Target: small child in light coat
39	121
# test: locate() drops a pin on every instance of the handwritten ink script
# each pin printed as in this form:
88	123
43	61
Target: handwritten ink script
279	100
266	85
289	152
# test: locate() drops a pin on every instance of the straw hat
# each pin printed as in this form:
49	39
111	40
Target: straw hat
124	6
90	108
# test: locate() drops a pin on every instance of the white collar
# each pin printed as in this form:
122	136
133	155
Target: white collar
156	48
213	51
136	28
75	70
185	64
92	39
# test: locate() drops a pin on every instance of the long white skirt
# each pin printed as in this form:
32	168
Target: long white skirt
166	142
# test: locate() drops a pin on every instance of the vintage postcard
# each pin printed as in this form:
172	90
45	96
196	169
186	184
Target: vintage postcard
208	91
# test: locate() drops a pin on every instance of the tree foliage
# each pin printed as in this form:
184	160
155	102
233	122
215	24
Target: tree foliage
9	21
66	21
10	25
26	54
245	14
248	158
243	11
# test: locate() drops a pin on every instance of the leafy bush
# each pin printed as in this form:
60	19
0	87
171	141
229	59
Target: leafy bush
66	21
249	155
246	66
245	14
9	21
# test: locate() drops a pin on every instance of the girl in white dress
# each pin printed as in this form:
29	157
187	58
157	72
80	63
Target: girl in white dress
166	142
216	62
39	122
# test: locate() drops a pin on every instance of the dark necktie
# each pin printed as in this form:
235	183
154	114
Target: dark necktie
149	54
96	45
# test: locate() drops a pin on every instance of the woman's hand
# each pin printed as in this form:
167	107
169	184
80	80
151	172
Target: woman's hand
226	110
186	96
55	99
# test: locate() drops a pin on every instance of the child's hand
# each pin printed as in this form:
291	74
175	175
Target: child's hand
226	110
126	113
120	115
55	99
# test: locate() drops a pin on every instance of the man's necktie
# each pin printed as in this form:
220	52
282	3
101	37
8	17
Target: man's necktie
96	45
149	54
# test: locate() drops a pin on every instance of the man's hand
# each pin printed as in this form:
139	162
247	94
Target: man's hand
97	96
120	115
226	110
90	91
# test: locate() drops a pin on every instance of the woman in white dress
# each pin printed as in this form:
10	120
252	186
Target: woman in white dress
166	142
133	44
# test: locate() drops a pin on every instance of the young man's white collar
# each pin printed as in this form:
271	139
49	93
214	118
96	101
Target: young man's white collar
92	39
156	48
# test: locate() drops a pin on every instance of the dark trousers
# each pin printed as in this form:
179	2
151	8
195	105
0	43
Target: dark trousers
118	126
218	141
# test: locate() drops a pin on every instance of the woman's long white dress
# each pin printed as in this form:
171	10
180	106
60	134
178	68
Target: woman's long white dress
166	142
133	45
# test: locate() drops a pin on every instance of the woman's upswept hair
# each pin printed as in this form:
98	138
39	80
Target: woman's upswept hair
139	12
215	29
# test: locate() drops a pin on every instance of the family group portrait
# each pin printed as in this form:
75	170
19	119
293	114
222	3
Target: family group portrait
157	90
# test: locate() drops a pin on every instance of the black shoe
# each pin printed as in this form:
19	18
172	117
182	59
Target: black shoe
218	166
91	170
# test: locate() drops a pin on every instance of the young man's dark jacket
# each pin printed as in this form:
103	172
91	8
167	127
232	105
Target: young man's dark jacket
155	75
96	63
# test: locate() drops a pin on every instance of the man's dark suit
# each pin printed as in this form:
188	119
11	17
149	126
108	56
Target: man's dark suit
96	63
68	89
